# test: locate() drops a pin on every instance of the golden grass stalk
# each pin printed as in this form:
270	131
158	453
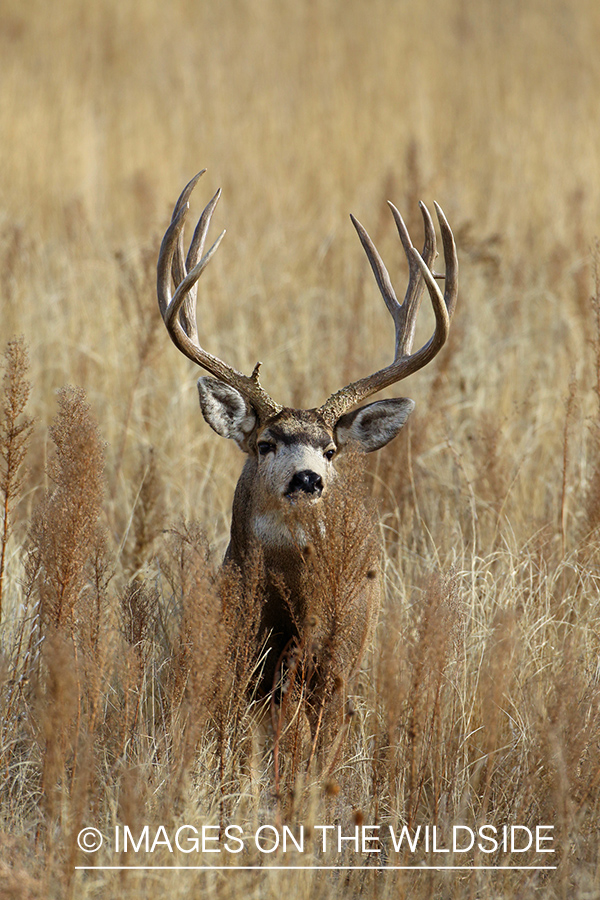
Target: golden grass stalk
15	433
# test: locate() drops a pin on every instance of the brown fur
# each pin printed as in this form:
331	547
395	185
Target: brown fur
321	589
301	526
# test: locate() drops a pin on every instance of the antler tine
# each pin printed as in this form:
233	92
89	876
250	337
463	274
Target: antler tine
166	261
405	314
443	305
188	309
176	267
405	327
179	269
379	270
451	261
179	310
186	286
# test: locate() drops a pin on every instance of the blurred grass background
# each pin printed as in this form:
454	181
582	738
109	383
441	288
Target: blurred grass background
302	113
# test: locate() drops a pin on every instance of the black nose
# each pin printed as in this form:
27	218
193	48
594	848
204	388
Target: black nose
306	481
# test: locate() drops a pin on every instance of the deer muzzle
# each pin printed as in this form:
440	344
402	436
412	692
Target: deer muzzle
305	481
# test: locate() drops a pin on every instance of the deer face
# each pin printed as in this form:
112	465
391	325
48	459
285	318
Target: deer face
295	452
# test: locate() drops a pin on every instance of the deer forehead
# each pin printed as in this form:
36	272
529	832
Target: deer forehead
296	429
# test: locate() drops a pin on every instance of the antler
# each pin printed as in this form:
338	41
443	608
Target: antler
405	314
179	310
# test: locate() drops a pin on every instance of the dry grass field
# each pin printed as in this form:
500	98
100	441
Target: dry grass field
479	703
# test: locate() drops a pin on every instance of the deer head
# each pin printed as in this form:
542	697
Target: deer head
292	453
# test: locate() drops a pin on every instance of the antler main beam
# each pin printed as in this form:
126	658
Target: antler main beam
405	314
179	309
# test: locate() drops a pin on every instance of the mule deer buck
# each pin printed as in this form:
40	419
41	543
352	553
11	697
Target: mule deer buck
293	480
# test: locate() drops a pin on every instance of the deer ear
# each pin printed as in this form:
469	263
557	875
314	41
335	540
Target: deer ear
373	426
226	411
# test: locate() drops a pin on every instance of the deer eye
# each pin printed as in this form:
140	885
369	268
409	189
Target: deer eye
265	447
329	454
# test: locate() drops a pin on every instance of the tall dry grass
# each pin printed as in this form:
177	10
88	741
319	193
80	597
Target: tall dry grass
123	698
